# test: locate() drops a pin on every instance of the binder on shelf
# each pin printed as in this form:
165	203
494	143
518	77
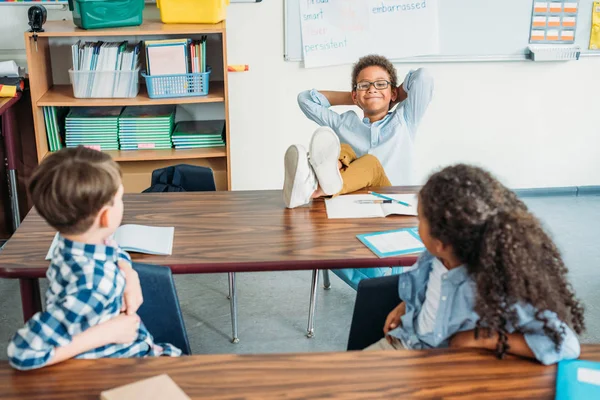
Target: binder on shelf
105	69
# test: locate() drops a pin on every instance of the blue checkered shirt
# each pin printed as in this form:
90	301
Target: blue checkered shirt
85	289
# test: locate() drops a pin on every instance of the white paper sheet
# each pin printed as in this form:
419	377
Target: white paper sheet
393	242
347	206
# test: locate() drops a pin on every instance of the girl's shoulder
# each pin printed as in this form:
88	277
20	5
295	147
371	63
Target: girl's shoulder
425	258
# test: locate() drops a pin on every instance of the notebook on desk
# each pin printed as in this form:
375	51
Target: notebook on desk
393	243
358	206
578	379
155	240
156	388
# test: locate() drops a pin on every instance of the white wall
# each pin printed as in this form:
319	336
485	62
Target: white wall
532	124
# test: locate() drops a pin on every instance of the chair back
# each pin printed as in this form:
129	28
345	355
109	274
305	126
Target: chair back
182	178
160	311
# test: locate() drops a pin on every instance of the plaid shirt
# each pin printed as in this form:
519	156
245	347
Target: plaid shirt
85	289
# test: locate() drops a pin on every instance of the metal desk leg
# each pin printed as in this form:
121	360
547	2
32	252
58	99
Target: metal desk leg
326	282
310	331
31	299
233	305
9	131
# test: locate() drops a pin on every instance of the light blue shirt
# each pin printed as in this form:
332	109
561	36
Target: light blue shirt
456	314
391	139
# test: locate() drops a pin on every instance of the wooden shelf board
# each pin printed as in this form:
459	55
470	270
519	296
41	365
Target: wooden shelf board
62	95
148	27
171	154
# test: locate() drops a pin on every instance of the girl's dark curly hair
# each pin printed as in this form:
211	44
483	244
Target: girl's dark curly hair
504	247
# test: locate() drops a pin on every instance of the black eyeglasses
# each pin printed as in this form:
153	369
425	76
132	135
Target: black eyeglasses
379	85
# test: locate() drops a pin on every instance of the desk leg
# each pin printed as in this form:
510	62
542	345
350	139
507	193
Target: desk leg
310	331
9	131
326	282
31	299
233	305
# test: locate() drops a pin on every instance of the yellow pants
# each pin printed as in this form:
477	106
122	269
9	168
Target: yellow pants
358	173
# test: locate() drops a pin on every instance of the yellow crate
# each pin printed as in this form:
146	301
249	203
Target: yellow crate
192	11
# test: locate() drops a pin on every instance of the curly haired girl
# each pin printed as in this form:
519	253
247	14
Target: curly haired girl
490	278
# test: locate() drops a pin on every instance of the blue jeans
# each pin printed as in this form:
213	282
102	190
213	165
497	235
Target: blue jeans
354	275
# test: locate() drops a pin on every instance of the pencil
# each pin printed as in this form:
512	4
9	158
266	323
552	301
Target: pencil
389	198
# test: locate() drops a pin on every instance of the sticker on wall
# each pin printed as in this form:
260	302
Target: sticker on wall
555	7
539	22
538	36
553	22
540	7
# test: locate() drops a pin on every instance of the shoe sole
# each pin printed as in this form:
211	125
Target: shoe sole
291	168
324	156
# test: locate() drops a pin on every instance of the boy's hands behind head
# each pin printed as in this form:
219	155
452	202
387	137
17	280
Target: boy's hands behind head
123	328
132	296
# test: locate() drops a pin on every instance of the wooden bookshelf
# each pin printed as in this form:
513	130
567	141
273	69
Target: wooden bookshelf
137	165
62	95
171	154
150	27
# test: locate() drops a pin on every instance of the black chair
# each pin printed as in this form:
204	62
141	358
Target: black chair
160	311
182	178
375	298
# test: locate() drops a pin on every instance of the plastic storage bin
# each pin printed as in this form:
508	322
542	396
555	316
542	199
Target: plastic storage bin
105	84
177	85
192	11
93	14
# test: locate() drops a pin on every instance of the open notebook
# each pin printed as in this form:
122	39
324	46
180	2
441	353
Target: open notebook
139	239
350	206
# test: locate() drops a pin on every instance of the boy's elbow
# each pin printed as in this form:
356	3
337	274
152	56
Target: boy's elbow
27	359
425	79
303	98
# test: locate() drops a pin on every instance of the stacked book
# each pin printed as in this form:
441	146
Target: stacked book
105	69
175	56
54	118
197	134
146	127
94	127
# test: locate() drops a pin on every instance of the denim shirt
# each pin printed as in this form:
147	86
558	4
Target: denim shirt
390	139
456	313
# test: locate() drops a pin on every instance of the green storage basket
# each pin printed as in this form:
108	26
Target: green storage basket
95	14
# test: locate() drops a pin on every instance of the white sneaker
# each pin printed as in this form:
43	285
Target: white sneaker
324	157
300	181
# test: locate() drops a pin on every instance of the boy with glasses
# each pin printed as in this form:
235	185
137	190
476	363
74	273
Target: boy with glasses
376	150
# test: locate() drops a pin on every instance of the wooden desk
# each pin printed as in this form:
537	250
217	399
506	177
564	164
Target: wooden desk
237	231
357	375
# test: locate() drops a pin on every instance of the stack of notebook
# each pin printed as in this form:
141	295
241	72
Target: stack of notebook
146	127
54	118
196	134
94	127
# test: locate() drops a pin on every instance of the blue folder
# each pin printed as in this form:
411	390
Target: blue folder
578	379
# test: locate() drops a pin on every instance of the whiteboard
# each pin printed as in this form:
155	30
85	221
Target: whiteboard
470	30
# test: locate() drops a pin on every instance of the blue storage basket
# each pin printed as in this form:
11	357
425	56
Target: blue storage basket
177	85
